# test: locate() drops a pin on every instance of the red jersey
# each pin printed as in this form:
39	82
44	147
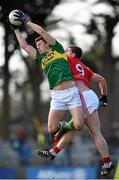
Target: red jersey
80	71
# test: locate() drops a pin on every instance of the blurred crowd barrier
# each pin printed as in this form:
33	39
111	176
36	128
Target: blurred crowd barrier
20	154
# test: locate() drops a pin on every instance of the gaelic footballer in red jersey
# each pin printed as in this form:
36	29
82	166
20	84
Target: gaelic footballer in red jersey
83	73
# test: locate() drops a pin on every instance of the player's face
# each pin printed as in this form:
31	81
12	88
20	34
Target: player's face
69	52
42	46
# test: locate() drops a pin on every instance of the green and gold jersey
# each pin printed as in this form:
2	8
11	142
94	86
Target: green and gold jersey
55	65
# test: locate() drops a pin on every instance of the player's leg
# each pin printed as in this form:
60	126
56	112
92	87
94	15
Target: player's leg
53	126
74	105
90	103
53	122
64	140
93	124
78	120
77	114
76	110
57	109
70	99
76	123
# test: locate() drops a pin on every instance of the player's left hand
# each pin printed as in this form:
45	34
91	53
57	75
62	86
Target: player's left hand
103	101
22	16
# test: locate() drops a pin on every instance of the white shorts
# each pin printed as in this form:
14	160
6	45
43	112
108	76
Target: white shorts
65	99
90	101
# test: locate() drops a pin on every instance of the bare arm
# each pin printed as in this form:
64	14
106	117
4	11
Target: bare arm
29	49
102	83
38	29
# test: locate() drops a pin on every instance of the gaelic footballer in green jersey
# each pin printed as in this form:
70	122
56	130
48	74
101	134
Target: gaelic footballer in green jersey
51	55
55	65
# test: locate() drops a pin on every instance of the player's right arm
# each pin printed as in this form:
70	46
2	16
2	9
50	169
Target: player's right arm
24	45
103	88
39	30
102	83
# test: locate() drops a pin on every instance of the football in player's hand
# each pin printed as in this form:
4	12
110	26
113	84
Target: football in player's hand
14	20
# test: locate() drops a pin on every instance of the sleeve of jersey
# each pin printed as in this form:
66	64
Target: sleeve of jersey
58	47
90	72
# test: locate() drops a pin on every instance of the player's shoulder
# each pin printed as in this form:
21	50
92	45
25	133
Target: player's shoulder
58	47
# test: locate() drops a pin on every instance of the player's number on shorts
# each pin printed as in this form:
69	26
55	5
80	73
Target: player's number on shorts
80	69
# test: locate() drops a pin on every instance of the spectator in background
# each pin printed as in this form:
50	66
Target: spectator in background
19	143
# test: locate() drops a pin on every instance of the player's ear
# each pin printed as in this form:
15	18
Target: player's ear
47	44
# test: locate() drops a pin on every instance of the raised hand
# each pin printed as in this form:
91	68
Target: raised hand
21	16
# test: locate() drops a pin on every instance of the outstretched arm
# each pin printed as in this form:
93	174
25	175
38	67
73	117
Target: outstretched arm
38	29
102	83
103	88
29	49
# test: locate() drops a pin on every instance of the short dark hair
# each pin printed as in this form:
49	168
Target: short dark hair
77	50
39	38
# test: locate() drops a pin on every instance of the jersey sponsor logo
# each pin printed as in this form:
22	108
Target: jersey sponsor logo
80	69
52	55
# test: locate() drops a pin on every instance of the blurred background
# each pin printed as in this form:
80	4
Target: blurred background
24	92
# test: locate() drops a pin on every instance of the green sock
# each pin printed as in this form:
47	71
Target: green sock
68	126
